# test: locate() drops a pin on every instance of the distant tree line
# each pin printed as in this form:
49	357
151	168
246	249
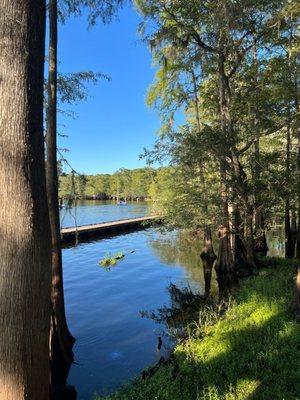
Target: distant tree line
124	184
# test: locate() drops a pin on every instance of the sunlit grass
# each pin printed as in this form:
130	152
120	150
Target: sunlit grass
253	352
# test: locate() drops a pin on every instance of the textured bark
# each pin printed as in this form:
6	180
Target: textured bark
226	276
289	243
227	130
208	258
297	131
247	240
297	294
294	228
61	341
242	244
260	241
224	266
25	262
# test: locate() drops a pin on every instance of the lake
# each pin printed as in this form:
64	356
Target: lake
105	307
94	211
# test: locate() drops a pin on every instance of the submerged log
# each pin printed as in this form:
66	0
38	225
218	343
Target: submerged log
208	258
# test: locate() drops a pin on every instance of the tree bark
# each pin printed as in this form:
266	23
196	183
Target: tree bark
25	262
247	257
224	266
260	241
289	246
297	129
61	341
297	294
208	258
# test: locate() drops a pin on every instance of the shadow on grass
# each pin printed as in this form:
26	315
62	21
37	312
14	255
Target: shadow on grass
252	363
252	354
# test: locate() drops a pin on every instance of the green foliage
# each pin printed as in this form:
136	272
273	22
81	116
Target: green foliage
72	87
109	260
102	10
125	183
252	352
247	51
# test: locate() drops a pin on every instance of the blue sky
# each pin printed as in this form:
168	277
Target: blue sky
114	124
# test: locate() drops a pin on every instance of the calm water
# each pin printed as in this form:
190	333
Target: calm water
114	343
94	211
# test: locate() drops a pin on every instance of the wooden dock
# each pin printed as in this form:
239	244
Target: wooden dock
106	228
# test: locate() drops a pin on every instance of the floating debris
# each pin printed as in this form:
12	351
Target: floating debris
111	260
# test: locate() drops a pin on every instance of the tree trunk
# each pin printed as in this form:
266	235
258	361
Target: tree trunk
294	229
239	250
208	258
297	129
247	253
224	266
297	294
25	262
289	248
61	341
260	242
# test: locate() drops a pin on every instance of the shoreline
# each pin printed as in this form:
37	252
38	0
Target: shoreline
251	352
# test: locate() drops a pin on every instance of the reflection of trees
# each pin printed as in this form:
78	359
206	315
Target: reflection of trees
184	248
180	248
185	307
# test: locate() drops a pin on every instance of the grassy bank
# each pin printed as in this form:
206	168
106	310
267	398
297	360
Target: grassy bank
251	353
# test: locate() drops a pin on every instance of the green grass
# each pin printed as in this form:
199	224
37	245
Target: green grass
253	352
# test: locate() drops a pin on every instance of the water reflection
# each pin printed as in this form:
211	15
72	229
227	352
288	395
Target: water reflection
275	239
114	344
182	248
184	307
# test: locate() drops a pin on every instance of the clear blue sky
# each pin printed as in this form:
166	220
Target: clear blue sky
114	124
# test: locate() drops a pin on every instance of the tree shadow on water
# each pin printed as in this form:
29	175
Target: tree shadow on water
184	309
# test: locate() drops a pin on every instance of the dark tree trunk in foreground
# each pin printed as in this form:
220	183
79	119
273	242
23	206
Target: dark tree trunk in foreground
208	258
61	341
25	262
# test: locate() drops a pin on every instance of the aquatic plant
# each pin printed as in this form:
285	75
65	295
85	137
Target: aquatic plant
108	261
